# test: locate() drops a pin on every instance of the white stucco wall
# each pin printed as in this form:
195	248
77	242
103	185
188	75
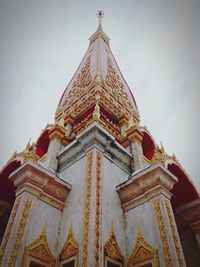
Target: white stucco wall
142	216
112	175
42	213
74	207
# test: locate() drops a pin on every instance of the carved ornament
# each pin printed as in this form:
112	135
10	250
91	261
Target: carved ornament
75	95
142	252
163	234
8	229
98	208
111	248
117	90
174	234
161	156
70	247
87	210
38	249
57	132
20	233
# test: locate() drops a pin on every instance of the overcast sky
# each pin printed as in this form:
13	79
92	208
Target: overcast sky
156	45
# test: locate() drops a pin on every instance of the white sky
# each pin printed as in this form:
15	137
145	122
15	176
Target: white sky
156	45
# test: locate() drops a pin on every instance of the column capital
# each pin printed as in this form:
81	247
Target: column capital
134	133
41	183
57	132
122	121
145	185
69	119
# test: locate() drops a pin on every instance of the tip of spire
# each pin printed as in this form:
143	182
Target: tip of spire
100	15
99	31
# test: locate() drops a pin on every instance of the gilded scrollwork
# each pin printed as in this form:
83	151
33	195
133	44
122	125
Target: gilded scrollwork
70	247
38	249
75	95
117	90
8	229
87	210
20	232
142	252
174	234
98	207
162	157
29	154
79	100
111	247
163	234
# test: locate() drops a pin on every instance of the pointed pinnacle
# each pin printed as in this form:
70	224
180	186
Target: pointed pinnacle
100	15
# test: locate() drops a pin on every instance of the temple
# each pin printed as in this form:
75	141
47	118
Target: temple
95	189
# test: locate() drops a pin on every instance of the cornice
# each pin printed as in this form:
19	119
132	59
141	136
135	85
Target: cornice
41	183
145	185
95	135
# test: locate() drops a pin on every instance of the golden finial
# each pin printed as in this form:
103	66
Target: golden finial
162	147
28	144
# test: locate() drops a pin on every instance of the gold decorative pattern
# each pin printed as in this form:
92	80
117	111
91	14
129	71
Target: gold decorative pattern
87	210
20	232
174	234
98	205
8	229
111	248
70	247
38	249
75	95
84	77
105	80
143	251
116	86
163	235
29	153
161	156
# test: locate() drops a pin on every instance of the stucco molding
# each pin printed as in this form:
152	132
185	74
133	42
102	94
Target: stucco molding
95	135
41	183
145	185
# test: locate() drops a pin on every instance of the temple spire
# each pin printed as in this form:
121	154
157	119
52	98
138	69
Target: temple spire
98	92
100	15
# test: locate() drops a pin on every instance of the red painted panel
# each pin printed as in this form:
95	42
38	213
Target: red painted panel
7	189
148	146
42	144
183	191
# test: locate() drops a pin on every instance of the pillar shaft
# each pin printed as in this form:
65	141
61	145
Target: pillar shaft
147	193
135	138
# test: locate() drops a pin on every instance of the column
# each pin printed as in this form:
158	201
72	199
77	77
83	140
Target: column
145	199
135	138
